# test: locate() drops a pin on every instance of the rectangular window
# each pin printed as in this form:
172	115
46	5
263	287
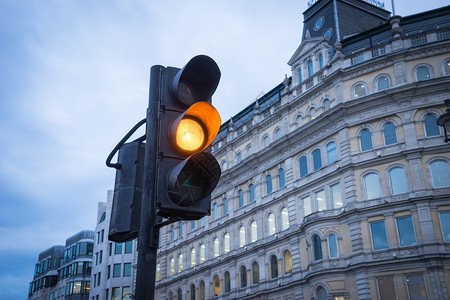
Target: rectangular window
103	235
96	258
110	249
128	247
115	293
379	236
306	206
95	280
321	201
118	249
99	278
100	257
444	216
336	195
108	272
116	270
126	292
126	269
406	234
98	237
416	287
386	288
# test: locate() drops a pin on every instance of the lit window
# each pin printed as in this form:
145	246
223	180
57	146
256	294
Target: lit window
359	90
416	287
372	186
423	73
238	157
406	232
444	216
317	247
447	67
273	267
242	236
255	273
331	152
192	257
227	282
366	140
202	253
321	201
243	275
386	288
336	195
379	236
277	133
226	243
241	198
172	266
287	262
216	247
431	127
398	181
158	271
254	231
271	223
284	218
383	83
251	193
390	134
310	69
281	178
268	184
303	164
333	246
306	206
317	160
216	286
440	173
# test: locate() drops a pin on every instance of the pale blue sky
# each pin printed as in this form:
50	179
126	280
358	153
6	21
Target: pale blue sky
74	79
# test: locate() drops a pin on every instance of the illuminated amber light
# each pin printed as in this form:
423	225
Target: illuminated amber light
190	135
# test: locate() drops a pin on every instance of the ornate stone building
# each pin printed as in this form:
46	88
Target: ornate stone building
335	184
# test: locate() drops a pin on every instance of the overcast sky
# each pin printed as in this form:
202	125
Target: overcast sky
74	79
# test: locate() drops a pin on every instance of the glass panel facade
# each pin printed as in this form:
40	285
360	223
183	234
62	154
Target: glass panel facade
379	236
398	181
406	232
440	173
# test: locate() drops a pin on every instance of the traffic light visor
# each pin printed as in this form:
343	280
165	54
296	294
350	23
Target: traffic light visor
196	128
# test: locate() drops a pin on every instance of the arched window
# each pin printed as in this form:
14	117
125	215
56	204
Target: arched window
254	231
383	83
172	266
179	295
331	152
271	224
268	184
321	293
440	173
255	273
398	181
215	211
287	262
227	283
216	286
238	157
333	246
226	243
248	151
223	165
326	104
320	61
180	262
251	192
317	159
431	127
171	296
241	236
202	253
172	233
202	290
303	164
447	67
366	140
390	134
240	198
192	292
192	257
243	276
359	90
281	178
180	229
423	73
372	186
273	267
300	79
277	133
284	218
317	247
299	120
216	247
310	68
225	206
266	141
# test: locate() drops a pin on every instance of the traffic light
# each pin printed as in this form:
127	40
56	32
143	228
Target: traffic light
187	172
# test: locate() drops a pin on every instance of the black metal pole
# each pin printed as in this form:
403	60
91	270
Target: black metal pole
148	236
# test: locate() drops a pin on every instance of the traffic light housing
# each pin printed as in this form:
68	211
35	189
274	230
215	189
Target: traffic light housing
187	172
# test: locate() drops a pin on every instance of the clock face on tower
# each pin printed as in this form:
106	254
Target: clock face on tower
318	24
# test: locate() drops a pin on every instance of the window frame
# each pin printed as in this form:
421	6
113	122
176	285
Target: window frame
431	130
329	246
355	86
393	133
316	244
422	67
399	231
362	137
372	235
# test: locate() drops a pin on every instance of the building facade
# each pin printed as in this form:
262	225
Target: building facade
64	272
114	264
336	183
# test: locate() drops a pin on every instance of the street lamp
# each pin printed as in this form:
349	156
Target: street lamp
444	120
